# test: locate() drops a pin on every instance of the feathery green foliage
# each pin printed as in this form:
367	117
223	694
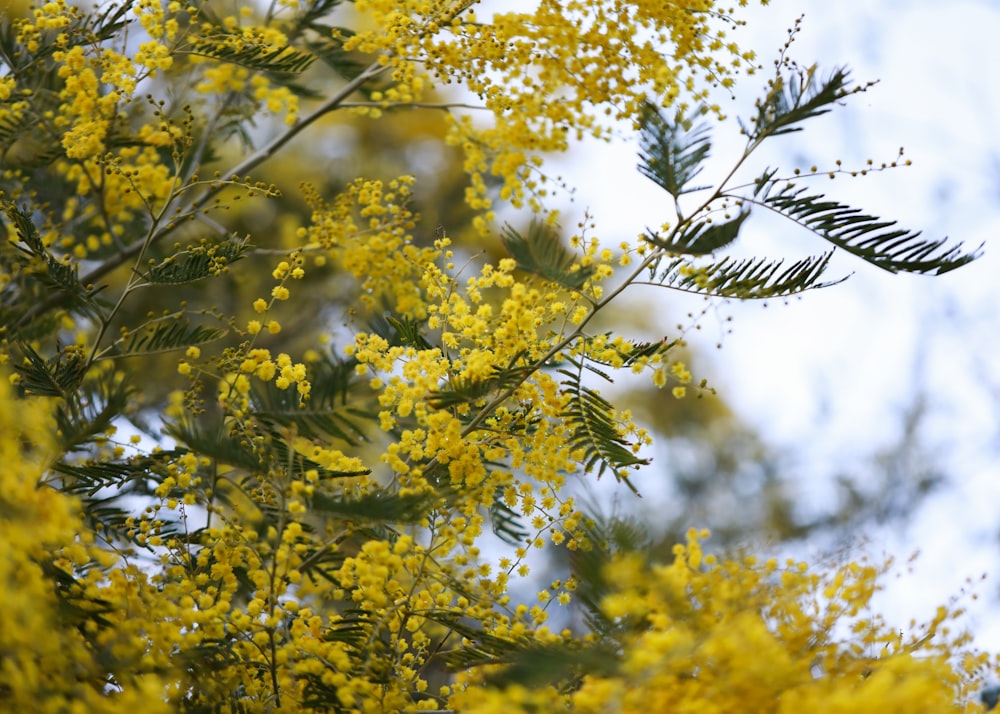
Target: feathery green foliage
671	152
540	253
596	430
237	50
860	234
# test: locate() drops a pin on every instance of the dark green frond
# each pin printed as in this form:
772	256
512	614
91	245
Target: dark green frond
542	253
236	50
792	100
479	647
269	450
329	48
57	275
868	237
595	430
562	664
632	352
87	413
109	23
527	663
166	334
315	11
408	332
375	507
105	488
702	237
280	452
326	415
217	445
11	129
197	263
670	150
405	331
88	478
59	376
76	606
748	279
506	521
353	629
474	391
607	537
322	562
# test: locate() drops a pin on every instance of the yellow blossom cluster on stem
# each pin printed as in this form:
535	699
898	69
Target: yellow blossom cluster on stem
547	76
703	633
52	659
368	231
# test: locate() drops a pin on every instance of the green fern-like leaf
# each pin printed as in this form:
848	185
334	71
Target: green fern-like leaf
595	430
526	663
375	507
236	50
315	11
670	150
280	452
560	664
868	237
408	332
215	443
474	391
479	647
269	451
747	279
633	352
85	414
108	24
11	129
56	275
88	478
353	629
59	376
329	48
702	237
107	490
541	253
793	99
196	263
166	334
506	522
328	414
405	331
608	537
75	601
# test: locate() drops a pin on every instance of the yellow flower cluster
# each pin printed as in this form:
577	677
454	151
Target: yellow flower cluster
707	635
234	388
220	78
52	652
564	70
455	420
366	230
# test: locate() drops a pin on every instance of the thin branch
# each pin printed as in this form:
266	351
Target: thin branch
413	105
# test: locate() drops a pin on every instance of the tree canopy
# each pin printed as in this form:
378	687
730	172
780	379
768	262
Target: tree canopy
313	486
